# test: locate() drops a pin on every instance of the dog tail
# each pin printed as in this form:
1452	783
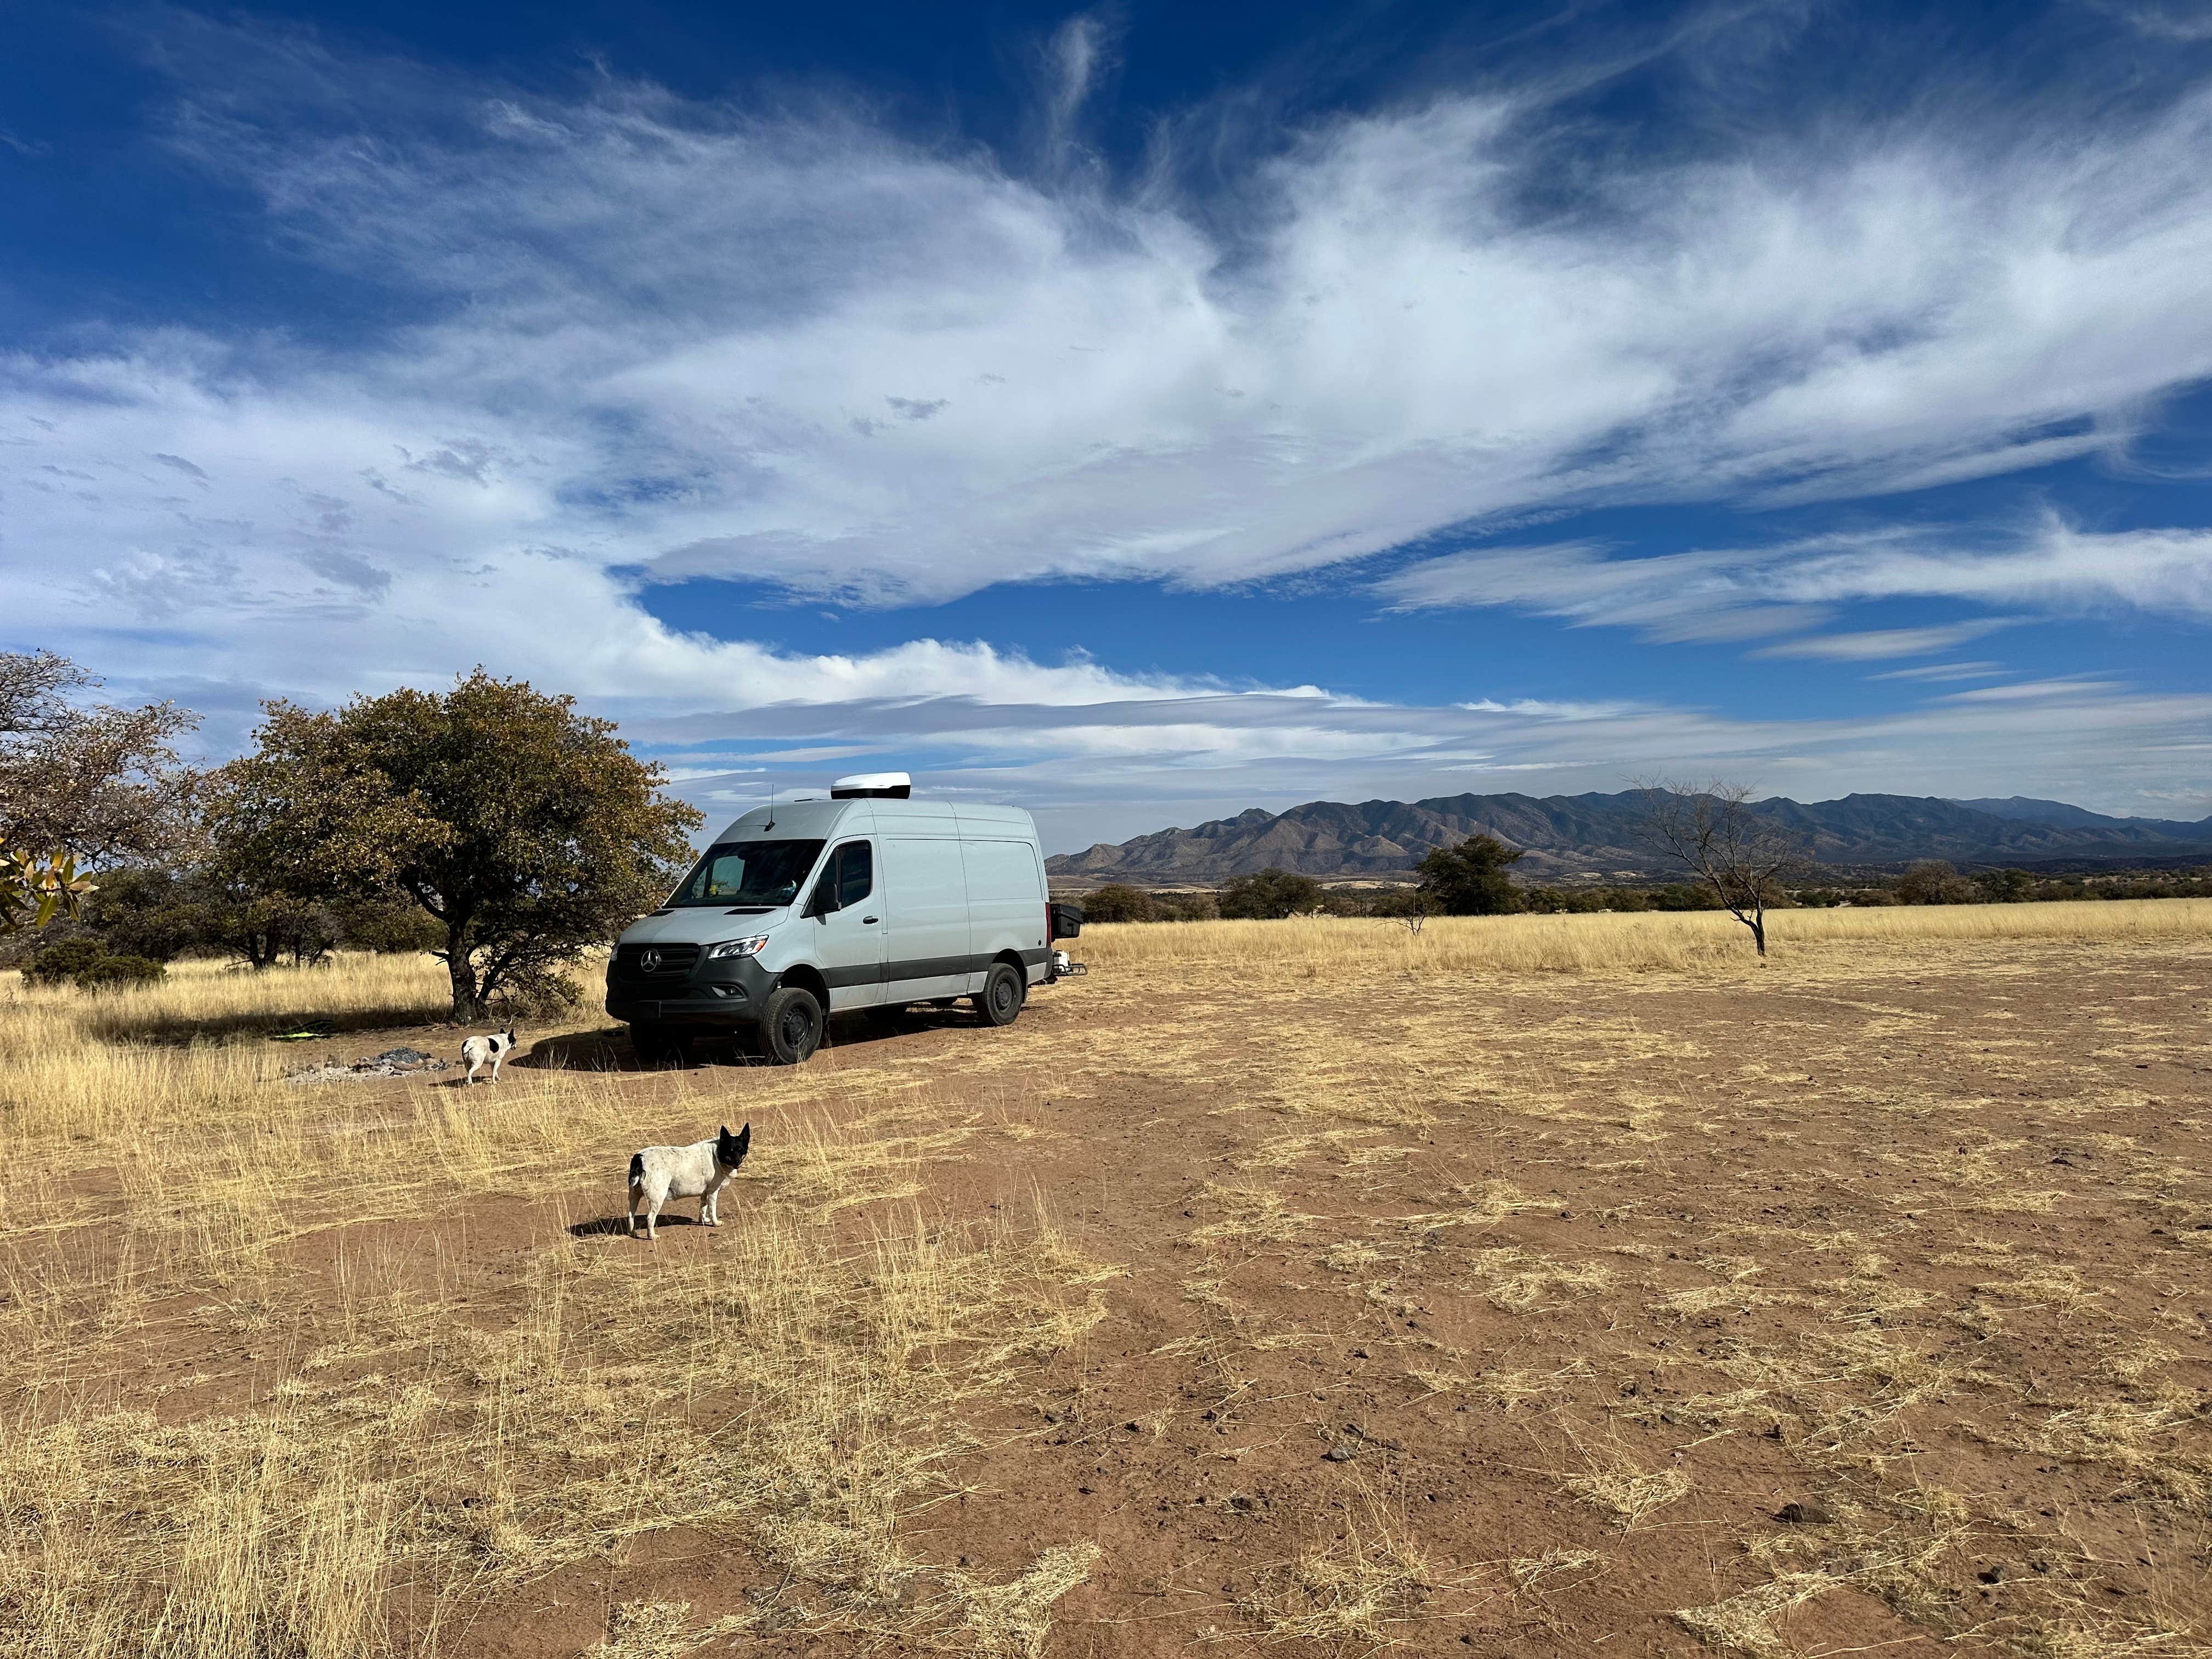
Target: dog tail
637	1168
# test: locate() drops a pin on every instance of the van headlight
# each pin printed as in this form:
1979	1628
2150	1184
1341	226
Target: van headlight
737	947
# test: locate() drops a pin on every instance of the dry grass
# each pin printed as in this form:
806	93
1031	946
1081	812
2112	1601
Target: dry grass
1664	1246
1638	941
72	1064
415	1434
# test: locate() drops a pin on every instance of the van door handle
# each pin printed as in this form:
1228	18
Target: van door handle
867	921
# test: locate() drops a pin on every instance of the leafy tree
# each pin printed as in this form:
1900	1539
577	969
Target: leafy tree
1119	901
140	911
2006	886
1738	852
1268	896
98	783
1470	879
1931	881
263	928
524	830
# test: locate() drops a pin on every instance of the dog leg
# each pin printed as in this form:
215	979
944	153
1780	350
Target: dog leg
497	1060
636	1198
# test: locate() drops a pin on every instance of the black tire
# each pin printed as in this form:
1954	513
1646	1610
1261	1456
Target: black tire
790	1025
1000	1004
657	1046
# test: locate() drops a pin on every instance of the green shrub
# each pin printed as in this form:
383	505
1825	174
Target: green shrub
1119	901
1268	896
539	994
115	973
1184	907
1687	896
60	962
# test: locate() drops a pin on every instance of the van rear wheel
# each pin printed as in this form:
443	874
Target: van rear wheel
1002	1001
790	1026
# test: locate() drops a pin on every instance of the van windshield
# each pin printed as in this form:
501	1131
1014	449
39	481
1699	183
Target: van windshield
766	873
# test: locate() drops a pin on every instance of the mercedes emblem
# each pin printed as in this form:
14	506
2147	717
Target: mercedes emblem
650	962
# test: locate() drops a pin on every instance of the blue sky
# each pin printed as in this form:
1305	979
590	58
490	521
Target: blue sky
1145	412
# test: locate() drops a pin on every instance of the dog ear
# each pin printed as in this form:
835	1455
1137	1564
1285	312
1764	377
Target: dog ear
744	1140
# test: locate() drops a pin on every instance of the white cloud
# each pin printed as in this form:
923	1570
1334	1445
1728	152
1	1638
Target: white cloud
1742	593
1873	644
1115	768
799	349
1944	671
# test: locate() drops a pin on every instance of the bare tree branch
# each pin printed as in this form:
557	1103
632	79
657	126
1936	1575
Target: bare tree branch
1715	832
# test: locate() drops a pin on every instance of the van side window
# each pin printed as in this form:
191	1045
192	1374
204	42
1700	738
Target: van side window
856	872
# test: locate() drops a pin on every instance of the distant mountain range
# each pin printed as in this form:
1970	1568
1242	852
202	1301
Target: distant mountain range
1569	835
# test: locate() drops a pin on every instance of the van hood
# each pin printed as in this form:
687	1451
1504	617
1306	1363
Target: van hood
701	924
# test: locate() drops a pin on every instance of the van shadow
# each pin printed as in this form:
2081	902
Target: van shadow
608	1049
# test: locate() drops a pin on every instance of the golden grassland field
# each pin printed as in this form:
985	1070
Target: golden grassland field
1314	1284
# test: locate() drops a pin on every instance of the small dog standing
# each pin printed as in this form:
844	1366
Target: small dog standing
657	1174
496	1048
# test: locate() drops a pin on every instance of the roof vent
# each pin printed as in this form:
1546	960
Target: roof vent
873	785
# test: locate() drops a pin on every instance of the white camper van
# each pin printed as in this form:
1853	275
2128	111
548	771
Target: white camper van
869	900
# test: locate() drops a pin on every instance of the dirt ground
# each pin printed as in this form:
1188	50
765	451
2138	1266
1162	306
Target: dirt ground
1857	1304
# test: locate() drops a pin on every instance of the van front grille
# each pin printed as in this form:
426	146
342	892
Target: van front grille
655	963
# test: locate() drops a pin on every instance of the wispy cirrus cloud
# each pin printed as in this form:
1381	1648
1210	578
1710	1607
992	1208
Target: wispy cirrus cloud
642	338
1743	593
799	348
1943	673
1875	645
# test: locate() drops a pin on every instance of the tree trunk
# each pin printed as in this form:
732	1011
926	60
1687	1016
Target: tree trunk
468	996
1758	929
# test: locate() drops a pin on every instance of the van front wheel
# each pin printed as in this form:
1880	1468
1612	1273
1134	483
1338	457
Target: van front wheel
1002	1001
790	1026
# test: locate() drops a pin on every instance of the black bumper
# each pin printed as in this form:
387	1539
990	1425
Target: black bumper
714	994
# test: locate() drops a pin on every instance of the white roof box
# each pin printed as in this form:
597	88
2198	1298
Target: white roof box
873	786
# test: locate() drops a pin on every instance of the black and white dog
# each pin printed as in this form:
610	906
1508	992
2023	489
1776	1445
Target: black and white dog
495	1048
701	1170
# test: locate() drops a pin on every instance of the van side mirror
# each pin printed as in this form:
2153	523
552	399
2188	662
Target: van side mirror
824	900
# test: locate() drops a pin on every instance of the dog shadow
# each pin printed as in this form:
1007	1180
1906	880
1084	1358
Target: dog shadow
615	1226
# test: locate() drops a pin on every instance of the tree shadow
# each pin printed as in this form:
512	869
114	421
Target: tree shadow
177	1029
